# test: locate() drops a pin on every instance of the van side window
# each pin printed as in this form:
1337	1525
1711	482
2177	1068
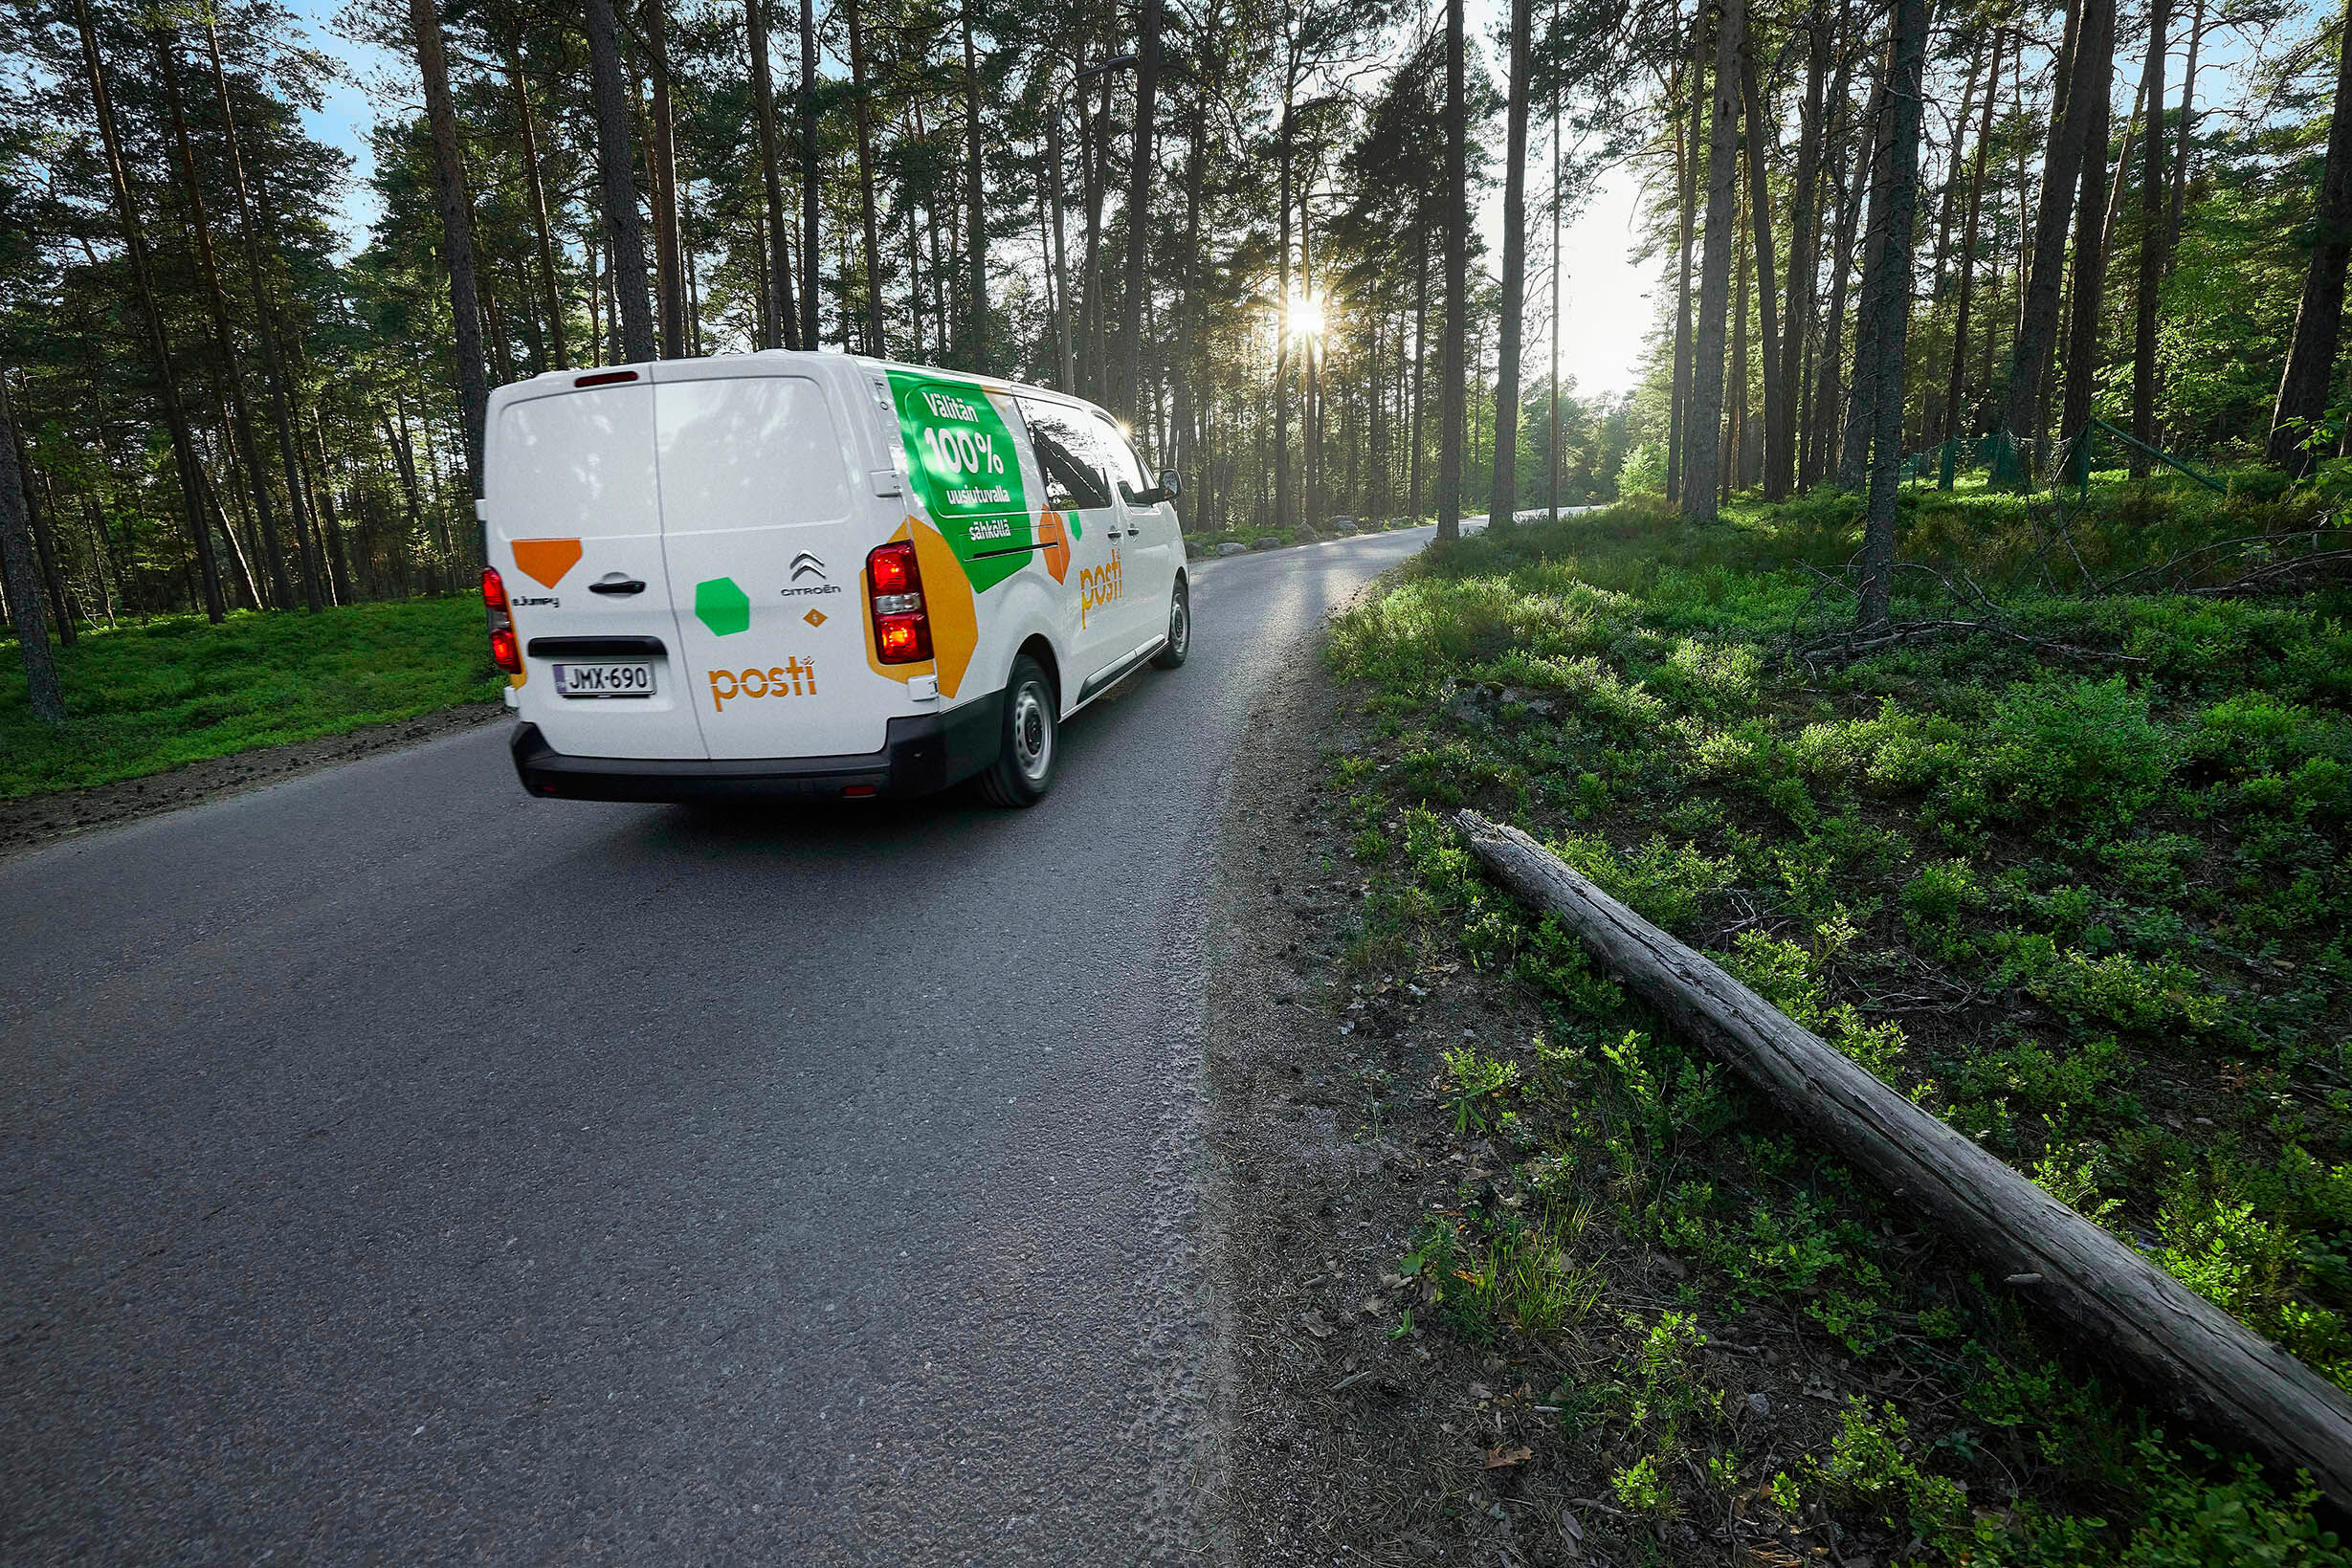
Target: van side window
1119	457
1072	481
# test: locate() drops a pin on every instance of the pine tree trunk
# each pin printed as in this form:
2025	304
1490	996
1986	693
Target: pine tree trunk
811	245
1893	285
781	321
617	186
1281	343
1821	452
2311	356
1502	495
159	342
1421	360
1733	452
1700	466
1862	398
2152	201
21	575
265	324
2037	321
661	161
1954	398
1951	178
456	231
976	227
2180	147
1129	392
166	55
1457	282
550	302
1780	461
1803	240
36	521
2086	309
1690	115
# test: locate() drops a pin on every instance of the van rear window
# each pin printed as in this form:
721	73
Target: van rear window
759	449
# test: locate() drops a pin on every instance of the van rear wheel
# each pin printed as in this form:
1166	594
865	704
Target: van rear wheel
1029	744
1179	642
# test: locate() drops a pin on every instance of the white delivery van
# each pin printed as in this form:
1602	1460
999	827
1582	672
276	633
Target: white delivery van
814	574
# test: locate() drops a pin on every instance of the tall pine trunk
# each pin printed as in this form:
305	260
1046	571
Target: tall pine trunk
1701	469
1780	462
2086	310
456	231
1690	115
1502	495
1893	285
20	574
2311	355
2037	319
812	246
2152	202
266	326
224	338
159	342
781	319
1451	400
618	185
1862	397
550	299
1129	398
2180	147
976	227
1956	389
1804	233
1282	343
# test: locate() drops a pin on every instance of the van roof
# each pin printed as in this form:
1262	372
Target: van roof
550	378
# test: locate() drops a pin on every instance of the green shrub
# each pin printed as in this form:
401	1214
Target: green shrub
2073	749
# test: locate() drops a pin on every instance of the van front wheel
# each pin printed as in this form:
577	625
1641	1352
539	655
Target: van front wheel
1178	630
1030	742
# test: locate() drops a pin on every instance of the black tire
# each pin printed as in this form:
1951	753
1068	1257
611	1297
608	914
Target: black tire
1178	630
1028	739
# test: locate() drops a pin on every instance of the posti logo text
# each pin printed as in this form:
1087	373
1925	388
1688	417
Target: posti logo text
1099	585
795	677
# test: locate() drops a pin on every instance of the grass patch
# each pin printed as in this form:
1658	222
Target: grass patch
2093	912
144	699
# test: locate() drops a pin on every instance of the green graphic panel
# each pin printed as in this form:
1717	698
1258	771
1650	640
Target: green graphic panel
723	605
968	474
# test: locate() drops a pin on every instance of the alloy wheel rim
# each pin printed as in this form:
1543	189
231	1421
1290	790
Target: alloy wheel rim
1179	624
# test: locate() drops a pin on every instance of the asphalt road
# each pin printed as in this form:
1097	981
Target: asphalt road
395	1168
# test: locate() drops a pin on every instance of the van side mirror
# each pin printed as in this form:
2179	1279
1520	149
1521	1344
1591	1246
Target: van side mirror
1171	485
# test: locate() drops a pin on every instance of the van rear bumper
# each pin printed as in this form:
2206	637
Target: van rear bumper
924	753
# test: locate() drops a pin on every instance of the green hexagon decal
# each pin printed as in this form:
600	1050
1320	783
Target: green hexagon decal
723	606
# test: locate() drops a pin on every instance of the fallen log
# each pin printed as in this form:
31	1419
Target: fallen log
2196	1357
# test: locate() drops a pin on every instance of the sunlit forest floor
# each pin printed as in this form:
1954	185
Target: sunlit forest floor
2069	862
145	697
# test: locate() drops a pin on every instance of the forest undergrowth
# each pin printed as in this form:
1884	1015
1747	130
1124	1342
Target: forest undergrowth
156	695
2069	863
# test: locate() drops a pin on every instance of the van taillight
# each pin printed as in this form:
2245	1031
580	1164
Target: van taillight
504	652
894	585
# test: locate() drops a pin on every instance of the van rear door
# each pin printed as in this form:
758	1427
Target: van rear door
573	523
765	538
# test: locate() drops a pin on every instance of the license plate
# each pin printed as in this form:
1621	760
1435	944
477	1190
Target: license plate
604	679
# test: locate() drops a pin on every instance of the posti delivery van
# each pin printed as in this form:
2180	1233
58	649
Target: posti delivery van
814	574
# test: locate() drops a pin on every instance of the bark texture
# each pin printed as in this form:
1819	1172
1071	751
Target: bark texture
2198	1357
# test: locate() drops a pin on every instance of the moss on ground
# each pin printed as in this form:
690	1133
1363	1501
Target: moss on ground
150	696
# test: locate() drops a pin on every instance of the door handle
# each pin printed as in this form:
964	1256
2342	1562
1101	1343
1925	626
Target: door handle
633	585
